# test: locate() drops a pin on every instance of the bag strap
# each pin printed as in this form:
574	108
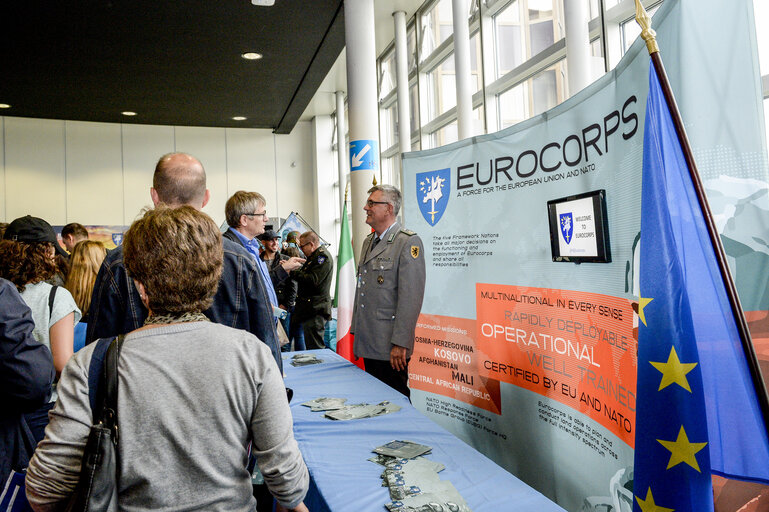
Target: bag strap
51	296
103	380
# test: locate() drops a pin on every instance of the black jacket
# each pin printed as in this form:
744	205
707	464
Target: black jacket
285	286
314	278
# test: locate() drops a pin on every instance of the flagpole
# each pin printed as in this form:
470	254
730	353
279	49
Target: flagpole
649	36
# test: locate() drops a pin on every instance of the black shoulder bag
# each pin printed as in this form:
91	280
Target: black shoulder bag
97	490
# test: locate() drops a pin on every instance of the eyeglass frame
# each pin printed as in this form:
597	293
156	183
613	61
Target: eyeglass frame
263	214
370	203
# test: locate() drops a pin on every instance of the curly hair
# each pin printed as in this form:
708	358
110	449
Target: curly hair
85	261
22	263
176	254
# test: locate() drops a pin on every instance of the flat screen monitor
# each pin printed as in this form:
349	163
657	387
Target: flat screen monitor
579	229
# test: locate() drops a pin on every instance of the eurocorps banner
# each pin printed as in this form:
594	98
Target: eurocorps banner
533	361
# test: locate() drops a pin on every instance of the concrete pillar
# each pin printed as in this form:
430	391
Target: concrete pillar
460	10
402	81
362	110
577	16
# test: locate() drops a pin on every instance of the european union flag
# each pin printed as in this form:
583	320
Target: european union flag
697	408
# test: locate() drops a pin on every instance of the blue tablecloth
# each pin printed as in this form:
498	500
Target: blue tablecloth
336	451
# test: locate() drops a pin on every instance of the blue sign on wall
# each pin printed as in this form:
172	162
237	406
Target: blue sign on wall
363	155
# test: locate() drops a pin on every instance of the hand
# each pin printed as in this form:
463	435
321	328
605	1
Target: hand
398	358
293	263
299	508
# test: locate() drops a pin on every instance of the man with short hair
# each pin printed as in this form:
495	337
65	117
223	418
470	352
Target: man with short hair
246	214
313	300
73	233
241	300
391	286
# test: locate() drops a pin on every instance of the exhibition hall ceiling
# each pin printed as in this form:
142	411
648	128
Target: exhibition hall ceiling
169	62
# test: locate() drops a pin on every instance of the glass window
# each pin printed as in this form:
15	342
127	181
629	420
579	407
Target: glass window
445	135
630	30
411	42
541	34
386	75
595	9
525	28
437	26
509	39
414	109
388	125
391	168
478	128
596	48
540	93
475	58
441	88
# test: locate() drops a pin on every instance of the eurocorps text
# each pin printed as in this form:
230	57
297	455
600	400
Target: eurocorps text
573	151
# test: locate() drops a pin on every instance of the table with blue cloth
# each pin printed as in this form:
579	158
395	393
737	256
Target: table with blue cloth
336	452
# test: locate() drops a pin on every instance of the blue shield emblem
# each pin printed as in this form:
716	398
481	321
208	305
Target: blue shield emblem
433	191
567	226
117	238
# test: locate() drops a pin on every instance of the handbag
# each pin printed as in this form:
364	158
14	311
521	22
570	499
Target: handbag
96	489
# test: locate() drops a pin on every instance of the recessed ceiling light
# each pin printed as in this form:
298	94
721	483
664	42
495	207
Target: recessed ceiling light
251	56
4	105
238	118
128	113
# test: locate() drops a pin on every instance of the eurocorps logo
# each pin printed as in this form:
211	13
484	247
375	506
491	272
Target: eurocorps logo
433	189
567	226
117	238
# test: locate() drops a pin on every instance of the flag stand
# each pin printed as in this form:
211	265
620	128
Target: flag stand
649	36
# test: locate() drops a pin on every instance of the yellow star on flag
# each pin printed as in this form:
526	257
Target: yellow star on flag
642	303
674	371
648	504
681	450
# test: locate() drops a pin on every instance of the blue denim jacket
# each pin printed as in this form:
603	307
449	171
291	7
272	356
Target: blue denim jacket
240	302
26	377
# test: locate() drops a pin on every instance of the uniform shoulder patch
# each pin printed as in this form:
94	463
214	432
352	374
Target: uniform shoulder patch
321	259
415	251
408	232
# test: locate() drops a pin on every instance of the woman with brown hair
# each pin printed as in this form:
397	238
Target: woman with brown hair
192	394
84	263
27	260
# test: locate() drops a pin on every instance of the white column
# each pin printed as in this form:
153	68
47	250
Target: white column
461	9
362	109
576	16
402	81
341	148
323	179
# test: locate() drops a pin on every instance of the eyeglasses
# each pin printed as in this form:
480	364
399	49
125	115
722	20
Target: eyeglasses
371	203
302	245
263	214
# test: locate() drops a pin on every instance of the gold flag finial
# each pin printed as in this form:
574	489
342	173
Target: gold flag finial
374	181
647	33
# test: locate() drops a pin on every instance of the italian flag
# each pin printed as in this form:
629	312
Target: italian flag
344	296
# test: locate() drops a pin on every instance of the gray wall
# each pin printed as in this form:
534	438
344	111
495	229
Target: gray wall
101	173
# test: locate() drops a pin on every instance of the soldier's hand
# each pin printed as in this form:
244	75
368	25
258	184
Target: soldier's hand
398	358
292	263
